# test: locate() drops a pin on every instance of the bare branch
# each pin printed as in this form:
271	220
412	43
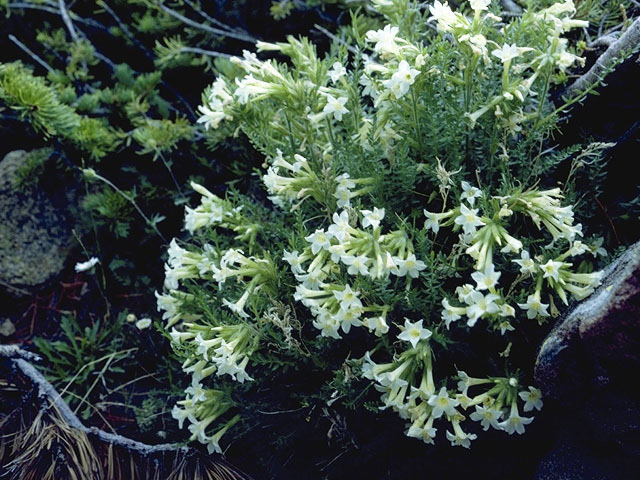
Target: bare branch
125	29
201	51
207	28
47	391
204	14
12	351
58	409
628	41
335	38
67	20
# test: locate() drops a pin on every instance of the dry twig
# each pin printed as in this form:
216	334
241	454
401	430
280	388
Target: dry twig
627	42
53	444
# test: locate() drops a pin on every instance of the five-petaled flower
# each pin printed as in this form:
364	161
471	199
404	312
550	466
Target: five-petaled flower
414	332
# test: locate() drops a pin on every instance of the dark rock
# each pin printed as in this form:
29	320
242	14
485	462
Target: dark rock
599	339
35	231
588	368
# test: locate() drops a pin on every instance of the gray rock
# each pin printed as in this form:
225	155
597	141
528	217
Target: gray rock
588	370
35	231
7	328
599	338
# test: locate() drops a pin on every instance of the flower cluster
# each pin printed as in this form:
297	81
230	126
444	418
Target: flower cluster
408	387
358	252
383	245
484	234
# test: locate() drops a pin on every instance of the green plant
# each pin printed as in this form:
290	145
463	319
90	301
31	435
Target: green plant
413	226
84	358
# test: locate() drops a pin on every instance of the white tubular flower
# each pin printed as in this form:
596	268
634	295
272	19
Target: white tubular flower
402	79
350	318
328	325
410	266
481	304
337	251
470	193
479	5
232	257
506	53
413	332
347	298
478	44
488	279
357	265
250	86
337	71
432	222
210	118
385	40
464	293
318	240
170	306
487	416
443	403
343	195
176	254
196	392
294	260
577	248
426	433
505	326
340	227
532	399
335	106
515	423
507	310
88	265
178	337
198	430
445	17
370	368
551	270
238	307
450	313
527	265
172	276
372	218
181	414
468	219
534	307
377	325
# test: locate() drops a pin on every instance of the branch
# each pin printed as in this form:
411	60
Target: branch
26	49
627	42
28	6
125	29
604	41
207	28
46	390
201	51
67	20
216	465
213	20
11	351
326	32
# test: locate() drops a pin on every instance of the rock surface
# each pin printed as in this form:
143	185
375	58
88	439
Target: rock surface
588	370
35	231
599	340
